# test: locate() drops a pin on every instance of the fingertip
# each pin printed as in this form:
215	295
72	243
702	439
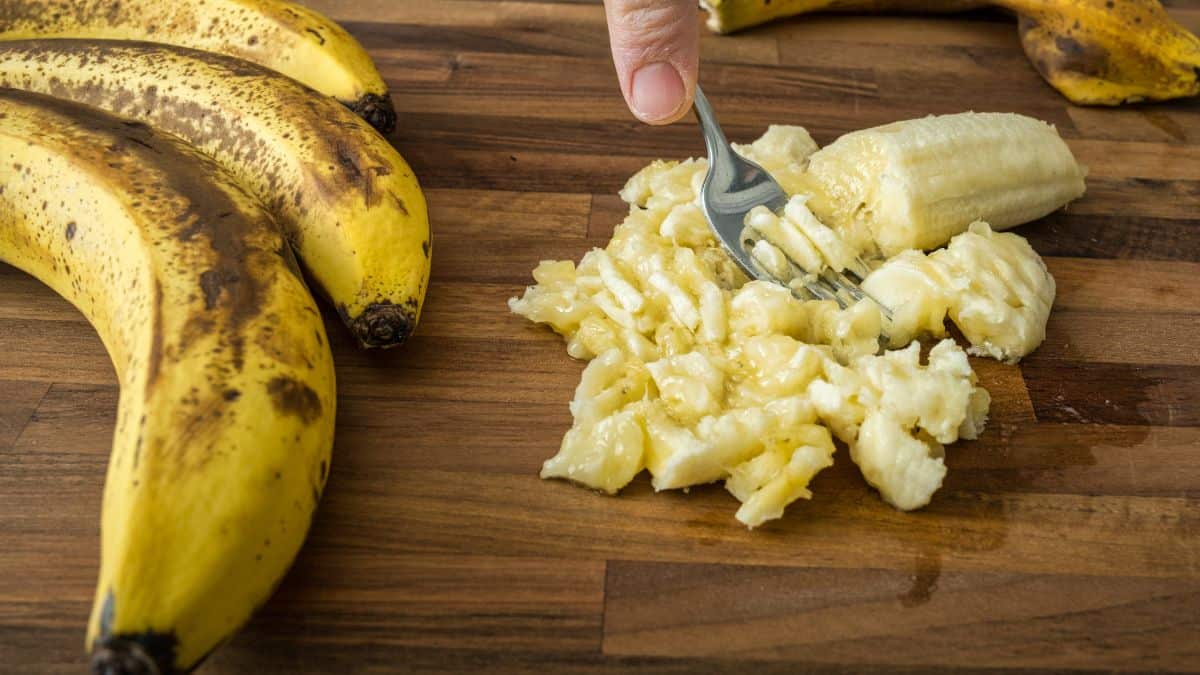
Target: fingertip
658	94
655	47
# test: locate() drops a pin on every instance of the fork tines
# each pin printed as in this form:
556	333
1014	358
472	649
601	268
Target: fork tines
828	284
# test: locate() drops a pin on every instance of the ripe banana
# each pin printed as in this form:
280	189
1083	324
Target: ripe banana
348	201
917	183
1098	52
727	16
225	421
1107	53
280	35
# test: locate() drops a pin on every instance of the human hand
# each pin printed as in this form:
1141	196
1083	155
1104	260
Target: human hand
656	49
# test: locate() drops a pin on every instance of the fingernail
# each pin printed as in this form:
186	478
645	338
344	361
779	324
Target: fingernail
657	91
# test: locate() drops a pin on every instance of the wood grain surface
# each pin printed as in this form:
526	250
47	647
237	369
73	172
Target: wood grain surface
1067	537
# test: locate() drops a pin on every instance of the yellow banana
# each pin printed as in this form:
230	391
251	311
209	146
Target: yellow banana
348	201
1107	53
727	16
1097	52
226	412
280	35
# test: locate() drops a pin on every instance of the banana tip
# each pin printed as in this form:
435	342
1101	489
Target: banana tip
122	657
377	110
383	325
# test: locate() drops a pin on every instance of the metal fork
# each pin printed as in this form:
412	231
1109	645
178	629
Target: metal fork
733	186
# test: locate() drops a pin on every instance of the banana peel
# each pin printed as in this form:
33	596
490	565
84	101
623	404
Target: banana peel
1094	52
1108	52
728	16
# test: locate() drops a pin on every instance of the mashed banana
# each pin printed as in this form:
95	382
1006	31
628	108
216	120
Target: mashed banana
993	286
697	375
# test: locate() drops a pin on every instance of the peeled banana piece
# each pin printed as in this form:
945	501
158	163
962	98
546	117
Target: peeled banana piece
350	204
1094	52
280	35
917	183
225	421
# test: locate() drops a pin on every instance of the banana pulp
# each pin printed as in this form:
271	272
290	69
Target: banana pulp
283	36
225	421
917	183
350	204
697	375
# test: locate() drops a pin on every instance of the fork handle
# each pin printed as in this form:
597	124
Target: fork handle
714	138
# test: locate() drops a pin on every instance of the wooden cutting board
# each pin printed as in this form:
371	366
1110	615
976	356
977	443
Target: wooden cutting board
1067	537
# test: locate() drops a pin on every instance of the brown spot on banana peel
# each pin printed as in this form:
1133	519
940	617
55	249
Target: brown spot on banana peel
197	326
292	397
156	345
400	205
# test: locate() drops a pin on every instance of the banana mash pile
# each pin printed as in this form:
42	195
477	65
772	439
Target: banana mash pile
698	375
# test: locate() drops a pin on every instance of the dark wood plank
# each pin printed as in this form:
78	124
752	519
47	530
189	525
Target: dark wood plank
1116	336
1066	233
1170	123
492	215
18	400
39	350
1127	285
242	657
1089	459
842	526
453	601
1113	393
901	617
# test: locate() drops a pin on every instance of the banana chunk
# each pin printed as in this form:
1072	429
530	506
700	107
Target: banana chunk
896	414
993	286
783	151
917	183
779	476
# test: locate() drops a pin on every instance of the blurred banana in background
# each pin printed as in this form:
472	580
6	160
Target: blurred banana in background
1094	52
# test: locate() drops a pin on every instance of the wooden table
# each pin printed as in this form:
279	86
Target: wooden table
1067	537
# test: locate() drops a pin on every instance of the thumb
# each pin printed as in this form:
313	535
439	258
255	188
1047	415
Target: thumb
656	49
